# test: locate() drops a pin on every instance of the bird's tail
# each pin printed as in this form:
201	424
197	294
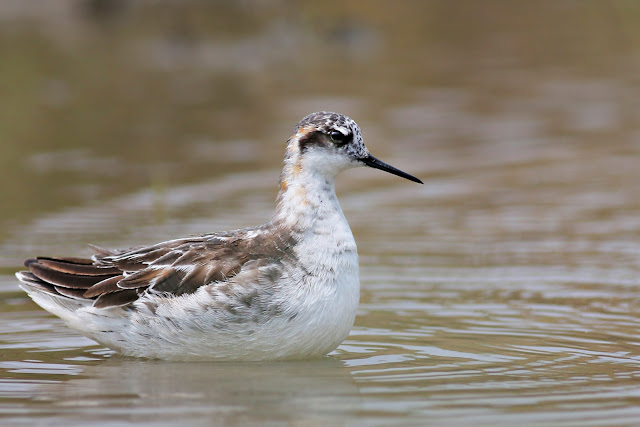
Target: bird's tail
60	305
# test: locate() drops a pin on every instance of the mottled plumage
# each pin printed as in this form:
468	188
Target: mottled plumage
285	289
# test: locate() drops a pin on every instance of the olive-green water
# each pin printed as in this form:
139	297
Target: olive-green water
503	292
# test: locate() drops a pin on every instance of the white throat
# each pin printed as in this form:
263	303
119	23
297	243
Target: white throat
307	199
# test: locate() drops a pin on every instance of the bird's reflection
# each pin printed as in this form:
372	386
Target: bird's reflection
294	392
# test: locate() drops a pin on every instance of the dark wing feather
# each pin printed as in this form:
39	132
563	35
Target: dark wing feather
169	280
78	268
66	278
107	286
177	267
70	277
71	293
31	280
115	299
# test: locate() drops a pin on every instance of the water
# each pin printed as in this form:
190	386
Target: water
502	292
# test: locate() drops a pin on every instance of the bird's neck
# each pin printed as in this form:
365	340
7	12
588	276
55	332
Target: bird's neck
307	199
308	209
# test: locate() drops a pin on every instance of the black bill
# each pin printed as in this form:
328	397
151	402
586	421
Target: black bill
377	164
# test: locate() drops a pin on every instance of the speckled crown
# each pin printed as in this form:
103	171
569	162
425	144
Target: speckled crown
325	121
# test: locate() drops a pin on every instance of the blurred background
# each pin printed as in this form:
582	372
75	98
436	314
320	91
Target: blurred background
511	274
104	97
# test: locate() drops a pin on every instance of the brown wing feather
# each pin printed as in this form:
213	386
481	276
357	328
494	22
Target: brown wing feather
115	299
191	282
77	268
116	278
65	279
169	280
107	286
140	279
70	260
32	280
71	293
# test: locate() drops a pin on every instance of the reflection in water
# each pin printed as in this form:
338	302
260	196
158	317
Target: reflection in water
202	393
503	292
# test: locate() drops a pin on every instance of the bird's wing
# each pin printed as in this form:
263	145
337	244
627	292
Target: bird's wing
170	268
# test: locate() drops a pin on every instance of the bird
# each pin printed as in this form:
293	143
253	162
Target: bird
286	289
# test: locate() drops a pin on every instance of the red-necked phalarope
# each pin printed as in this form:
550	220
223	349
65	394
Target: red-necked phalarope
288	289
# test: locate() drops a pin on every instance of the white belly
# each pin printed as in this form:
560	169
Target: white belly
318	312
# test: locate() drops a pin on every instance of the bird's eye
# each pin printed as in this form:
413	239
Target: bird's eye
339	138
